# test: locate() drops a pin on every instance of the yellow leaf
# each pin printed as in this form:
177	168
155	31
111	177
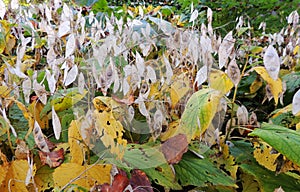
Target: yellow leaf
16	175
296	50
84	176
35	109
74	139
43	178
171	131
255	85
220	81
4	91
262	154
71	98
275	85
179	88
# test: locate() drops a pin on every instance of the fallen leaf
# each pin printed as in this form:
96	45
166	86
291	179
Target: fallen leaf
53	158
174	148
84	176
140	182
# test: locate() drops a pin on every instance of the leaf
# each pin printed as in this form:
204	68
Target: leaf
264	156
233	72
4	91
2	9
40	92
43	178
53	158
179	88
26	86
139	181
269	182
200	109
199	172
201	75
282	139
174	148
194	16
64	29
242	115
71	45
39	138
87	175
74	139
296	103
249	183
272	62
16	175
220	81
119	183
275	85
225	49
163	175
56	124
140	156
71	76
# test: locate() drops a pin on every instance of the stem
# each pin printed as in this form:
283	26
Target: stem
234	98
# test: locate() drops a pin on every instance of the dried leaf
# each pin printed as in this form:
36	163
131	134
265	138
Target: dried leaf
242	115
40	92
64	29
233	72
272	62
225	49
119	183
2	9
56	124
53	158
194	16
201	76
174	148
39	138
71	76
71	45
296	103
22	150
140	182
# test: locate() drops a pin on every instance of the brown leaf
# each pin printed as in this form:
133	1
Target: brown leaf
22	150
120	183
174	148
140	182
53	158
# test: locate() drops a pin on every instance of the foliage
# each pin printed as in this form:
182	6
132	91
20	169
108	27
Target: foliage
122	99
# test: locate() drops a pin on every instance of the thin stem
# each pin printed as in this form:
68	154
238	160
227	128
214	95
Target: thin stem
234	98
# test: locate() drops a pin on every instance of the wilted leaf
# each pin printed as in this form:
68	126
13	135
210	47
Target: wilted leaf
119	183
2	9
296	103
40	92
26	86
272	62
174	148
233	72
194	16
39	138
282	139
225	49
87	175
22	150
201	75
220	81
139	181
200	109
242	115
275	85
71	76
56	124
71	45
64	29
53	158
35	109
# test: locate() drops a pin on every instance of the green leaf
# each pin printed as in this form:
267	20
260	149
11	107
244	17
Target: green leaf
201	107
164	176
284	140
268	181
140	157
192	170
